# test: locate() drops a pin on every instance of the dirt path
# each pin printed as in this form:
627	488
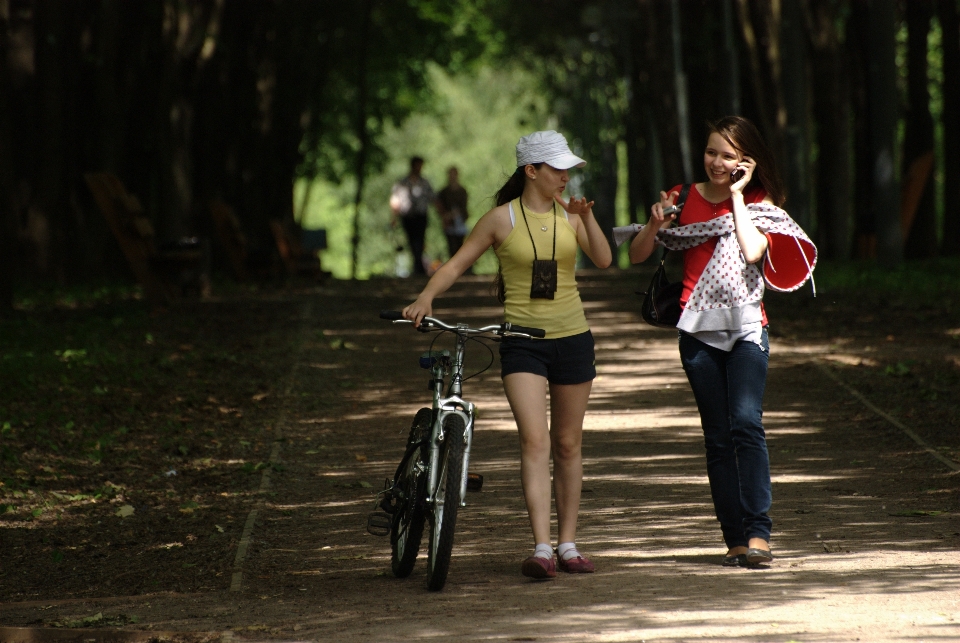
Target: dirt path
866	528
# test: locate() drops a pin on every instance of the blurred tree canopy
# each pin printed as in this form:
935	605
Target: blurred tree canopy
187	101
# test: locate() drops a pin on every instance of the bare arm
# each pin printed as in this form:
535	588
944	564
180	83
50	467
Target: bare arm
482	237
643	244
753	243
590	237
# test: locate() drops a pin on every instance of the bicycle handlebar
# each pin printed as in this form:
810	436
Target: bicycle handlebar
505	328
523	330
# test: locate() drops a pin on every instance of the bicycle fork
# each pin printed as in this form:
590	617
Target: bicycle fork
452	405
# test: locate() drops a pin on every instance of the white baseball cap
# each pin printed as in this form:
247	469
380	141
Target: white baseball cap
548	147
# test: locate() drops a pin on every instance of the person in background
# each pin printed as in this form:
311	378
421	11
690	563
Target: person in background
409	200
731	223
536	235
452	206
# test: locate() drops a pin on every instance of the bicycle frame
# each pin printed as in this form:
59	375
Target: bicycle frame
414	495
452	403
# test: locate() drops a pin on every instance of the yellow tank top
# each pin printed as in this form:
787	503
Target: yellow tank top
563	315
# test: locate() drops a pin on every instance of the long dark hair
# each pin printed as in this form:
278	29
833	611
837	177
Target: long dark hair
744	136
511	190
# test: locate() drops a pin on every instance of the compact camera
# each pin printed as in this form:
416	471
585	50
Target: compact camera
544	281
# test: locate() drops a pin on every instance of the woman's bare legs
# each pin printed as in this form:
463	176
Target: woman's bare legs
527	394
568	404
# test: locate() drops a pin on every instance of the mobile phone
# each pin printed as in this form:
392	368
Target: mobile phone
670	210
736	175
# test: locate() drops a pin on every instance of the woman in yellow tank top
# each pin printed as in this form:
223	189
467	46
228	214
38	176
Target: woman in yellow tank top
535	234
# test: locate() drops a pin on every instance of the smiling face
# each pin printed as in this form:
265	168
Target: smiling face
720	159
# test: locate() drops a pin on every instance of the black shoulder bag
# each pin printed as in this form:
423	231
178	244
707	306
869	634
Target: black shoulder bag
661	301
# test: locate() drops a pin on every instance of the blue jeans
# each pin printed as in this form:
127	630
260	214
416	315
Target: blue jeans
729	388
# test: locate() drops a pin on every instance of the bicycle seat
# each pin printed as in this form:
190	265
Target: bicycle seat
429	359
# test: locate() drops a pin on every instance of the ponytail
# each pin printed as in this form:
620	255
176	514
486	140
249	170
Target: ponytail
512	189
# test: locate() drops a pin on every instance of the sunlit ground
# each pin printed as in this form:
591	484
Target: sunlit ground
845	568
861	552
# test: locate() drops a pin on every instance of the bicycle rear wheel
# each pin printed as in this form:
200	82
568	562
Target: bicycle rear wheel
447	502
411	512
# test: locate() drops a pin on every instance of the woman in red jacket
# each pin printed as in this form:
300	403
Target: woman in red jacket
728	224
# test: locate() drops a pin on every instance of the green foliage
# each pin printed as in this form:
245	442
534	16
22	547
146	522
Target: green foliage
473	121
930	282
377	69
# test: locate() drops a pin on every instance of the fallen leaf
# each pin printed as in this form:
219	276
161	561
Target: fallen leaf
188	507
360	457
125	511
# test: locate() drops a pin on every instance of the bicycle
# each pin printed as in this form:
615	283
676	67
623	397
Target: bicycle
432	479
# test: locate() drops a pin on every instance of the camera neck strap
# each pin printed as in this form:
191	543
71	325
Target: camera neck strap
532	242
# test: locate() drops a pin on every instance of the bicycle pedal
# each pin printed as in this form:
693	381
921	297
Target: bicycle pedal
387	499
379	523
474	482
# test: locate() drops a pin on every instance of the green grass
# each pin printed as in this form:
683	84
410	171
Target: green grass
928	281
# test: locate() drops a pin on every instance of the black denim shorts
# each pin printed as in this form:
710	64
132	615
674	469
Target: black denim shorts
568	360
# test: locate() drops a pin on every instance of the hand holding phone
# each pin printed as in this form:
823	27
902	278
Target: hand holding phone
736	175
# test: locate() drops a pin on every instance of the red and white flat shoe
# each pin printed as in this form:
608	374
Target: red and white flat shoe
538	567
576	565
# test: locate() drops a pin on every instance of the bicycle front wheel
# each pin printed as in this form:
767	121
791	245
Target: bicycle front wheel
411	513
447	502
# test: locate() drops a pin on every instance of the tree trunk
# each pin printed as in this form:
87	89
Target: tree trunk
917	210
832	117
761	37
882	95
680	89
185	32
636	173
731	61
50	208
797	138
950	25
606	181
363	133
8	213
864	242
657	102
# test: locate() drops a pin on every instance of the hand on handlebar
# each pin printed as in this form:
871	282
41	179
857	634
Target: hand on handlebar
419	309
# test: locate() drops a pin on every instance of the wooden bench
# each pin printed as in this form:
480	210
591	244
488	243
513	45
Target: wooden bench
165	273
229	232
297	259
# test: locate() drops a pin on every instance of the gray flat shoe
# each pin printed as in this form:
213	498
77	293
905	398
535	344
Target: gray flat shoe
736	560
756	556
